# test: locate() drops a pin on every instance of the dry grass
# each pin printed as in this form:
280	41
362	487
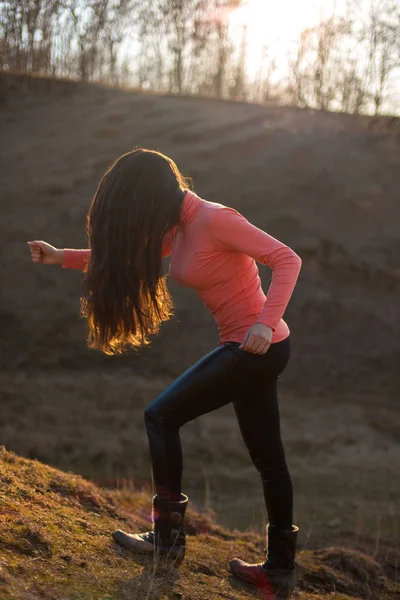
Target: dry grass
325	184
343	461
55	544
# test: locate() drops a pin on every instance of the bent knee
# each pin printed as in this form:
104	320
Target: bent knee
151	415
155	417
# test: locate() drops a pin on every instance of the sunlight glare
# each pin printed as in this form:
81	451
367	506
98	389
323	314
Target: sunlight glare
276	25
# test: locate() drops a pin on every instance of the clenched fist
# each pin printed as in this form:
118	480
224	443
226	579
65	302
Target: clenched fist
257	339
42	252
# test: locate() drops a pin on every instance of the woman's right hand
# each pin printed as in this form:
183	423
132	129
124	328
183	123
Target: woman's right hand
42	252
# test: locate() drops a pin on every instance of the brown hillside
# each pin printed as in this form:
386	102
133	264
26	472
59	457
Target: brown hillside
55	543
326	184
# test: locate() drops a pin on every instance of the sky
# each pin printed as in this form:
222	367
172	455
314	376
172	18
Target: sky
278	23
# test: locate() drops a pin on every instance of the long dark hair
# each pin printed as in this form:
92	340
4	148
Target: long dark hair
125	298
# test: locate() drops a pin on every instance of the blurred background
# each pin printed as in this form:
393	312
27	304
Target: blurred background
287	112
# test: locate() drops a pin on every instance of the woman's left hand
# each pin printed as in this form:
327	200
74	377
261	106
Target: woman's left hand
257	339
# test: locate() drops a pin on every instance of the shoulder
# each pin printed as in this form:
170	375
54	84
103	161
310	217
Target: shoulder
222	215
218	211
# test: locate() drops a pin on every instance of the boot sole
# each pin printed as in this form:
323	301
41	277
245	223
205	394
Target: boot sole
268	592
265	593
172	553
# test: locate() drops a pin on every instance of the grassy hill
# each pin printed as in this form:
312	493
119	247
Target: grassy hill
55	544
326	184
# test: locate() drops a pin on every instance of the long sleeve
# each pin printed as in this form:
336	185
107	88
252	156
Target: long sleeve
235	232
75	259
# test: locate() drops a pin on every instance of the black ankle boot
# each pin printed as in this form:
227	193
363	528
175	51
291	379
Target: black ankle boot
277	575
167	537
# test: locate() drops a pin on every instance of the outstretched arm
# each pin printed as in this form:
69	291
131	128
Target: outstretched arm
74	258
68	258
78	258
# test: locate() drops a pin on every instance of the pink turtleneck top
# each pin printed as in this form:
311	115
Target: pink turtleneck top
214	250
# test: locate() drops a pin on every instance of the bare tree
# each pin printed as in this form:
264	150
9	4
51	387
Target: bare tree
298	73
119	23
339	65
89	20
264	86
26	33
238	87
178	17
213	42
152	57
343	63
353	95
382	33
224	44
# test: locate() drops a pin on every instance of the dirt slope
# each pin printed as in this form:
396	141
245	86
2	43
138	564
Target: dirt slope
325	184
55	543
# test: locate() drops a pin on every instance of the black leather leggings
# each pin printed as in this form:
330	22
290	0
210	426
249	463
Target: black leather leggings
226	374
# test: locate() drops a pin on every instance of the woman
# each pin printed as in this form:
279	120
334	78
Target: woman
143	210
